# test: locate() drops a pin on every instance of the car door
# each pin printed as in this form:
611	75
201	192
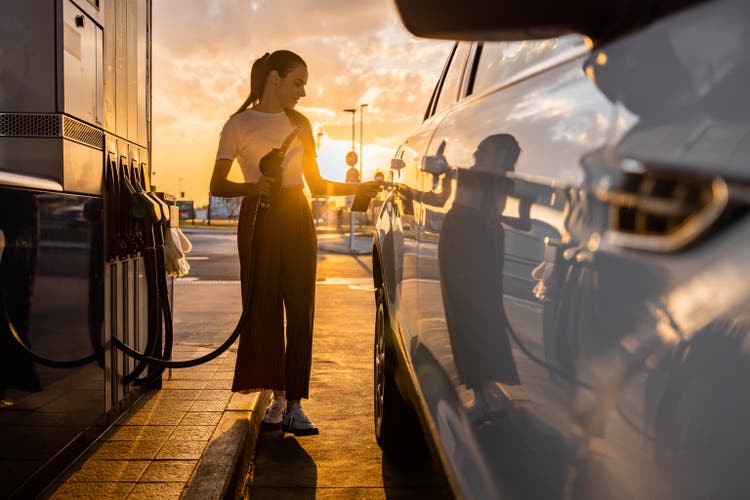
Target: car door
430	209
431	351
399	220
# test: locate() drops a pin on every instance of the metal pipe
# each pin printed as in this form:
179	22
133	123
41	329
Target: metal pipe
361	141
353	111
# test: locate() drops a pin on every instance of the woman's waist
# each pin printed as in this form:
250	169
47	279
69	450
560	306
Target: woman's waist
291	174
285	190
283	195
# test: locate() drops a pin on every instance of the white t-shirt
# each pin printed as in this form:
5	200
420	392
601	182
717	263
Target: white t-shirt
250	135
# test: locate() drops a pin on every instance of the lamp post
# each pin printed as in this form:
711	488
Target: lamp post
361	140
353	111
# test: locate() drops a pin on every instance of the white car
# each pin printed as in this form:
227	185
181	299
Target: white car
562	263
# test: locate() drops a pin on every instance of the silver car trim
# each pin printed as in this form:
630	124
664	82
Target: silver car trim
692	228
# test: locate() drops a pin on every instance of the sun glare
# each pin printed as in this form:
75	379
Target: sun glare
332	159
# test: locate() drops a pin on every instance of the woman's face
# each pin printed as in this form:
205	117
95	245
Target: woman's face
291	88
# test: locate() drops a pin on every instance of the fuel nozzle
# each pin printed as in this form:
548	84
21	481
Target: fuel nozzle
270	165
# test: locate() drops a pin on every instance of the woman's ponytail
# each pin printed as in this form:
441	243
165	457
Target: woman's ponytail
281	61
258	75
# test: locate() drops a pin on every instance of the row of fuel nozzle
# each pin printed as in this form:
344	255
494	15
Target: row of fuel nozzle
135	217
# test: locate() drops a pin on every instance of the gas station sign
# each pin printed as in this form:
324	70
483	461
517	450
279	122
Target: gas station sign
351	158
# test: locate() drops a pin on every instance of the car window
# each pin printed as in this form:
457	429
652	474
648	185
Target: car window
500	61
436	90
468	76
452	80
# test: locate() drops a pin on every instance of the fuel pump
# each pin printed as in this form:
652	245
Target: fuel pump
75	144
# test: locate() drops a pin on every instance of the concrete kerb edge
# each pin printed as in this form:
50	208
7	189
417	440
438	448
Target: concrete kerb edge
242	475
220	472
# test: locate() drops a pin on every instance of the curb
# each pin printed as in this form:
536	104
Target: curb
219	472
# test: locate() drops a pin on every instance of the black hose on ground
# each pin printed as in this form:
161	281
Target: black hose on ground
164	361
43	360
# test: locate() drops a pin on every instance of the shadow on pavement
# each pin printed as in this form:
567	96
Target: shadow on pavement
413	476
288	470
367	267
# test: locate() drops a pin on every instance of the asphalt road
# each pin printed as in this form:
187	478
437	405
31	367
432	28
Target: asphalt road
344	461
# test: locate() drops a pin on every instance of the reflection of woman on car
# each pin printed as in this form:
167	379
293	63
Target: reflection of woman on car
471	253
284	242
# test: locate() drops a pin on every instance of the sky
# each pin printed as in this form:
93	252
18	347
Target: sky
357	52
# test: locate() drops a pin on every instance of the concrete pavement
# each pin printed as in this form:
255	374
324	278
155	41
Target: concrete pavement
341	243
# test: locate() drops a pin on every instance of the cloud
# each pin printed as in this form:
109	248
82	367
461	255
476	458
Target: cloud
356	52
211	28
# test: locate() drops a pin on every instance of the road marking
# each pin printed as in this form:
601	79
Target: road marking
353	283
198	281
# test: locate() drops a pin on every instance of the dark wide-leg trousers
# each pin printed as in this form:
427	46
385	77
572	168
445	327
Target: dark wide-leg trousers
277	266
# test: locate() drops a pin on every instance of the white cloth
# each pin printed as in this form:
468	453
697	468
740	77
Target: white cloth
176	245
249	135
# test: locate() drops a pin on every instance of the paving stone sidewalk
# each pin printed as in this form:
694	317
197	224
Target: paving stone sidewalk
190	439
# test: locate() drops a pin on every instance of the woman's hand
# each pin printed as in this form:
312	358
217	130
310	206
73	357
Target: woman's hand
370	188
264	186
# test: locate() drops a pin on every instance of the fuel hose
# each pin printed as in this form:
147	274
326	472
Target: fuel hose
164	361
98	349
43	360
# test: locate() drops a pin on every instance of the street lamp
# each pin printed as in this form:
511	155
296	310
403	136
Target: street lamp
361	139
351	160
353	112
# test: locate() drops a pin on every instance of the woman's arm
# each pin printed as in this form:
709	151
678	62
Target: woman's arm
223	187
323	187
317	184
438	199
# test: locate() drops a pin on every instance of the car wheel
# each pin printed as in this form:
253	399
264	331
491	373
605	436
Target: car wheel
397	427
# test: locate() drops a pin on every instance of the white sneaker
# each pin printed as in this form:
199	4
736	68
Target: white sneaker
274	413
297	422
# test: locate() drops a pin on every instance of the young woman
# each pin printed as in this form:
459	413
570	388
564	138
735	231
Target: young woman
284	246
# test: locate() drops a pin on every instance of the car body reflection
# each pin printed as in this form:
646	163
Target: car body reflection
50	292
579	324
